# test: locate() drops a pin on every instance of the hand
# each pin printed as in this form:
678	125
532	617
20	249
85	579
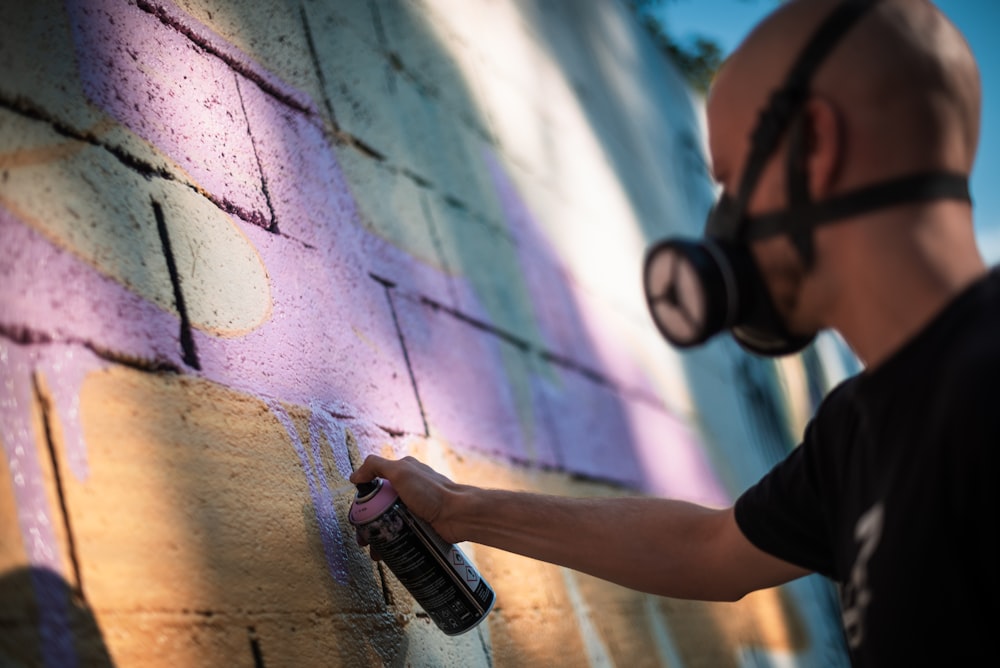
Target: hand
427	493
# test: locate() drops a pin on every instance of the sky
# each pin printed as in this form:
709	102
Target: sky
728	21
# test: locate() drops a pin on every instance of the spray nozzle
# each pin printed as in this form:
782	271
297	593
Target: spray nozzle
366	489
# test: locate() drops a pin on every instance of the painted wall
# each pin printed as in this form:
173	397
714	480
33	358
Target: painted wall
244	244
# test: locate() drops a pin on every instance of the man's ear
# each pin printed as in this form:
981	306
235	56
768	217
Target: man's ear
825	147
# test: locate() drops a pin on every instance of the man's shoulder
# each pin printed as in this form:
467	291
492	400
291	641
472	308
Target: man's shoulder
839	403
966	382
974	353
964	350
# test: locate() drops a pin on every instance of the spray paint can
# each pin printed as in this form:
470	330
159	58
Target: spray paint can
436	573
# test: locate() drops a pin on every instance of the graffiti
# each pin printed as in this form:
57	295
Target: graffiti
202	219
22	372
319	488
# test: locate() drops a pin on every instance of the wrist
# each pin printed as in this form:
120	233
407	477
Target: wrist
460	511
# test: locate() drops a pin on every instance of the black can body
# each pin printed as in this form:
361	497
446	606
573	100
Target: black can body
436	573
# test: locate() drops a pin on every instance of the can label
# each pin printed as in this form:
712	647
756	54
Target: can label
438	574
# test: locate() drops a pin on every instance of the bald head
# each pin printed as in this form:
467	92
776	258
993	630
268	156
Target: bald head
902	81
896	96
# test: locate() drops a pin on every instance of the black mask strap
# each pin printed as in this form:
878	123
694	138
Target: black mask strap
915	188
787	101
797	179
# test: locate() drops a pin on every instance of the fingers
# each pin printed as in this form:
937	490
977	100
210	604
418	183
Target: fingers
374	553
421	488
373	467
380	467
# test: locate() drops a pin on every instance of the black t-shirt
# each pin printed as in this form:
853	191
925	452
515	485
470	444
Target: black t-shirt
894	495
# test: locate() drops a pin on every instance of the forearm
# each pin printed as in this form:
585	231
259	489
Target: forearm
660	546
655	545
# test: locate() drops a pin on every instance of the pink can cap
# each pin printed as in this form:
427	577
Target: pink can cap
374	504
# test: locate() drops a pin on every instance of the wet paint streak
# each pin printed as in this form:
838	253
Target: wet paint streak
33	513
55	635
320	423
322	497
65	368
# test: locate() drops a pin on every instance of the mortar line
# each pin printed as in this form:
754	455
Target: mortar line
547	422
161	14
24	336
273	225
585	371
27	109
514	340
545	355
406	358
432	225
487	650
386	593
190	353
258	656
392	65
314	54
60	491
599	378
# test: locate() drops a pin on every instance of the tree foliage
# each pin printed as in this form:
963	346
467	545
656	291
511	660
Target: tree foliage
697	62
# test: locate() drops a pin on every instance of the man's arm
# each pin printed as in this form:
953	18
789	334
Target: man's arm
666	547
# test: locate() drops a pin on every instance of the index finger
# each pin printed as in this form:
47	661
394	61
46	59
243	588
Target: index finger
373	467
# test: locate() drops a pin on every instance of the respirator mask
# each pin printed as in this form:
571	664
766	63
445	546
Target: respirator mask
696	288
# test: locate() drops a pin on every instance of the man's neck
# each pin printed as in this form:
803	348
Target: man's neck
892	296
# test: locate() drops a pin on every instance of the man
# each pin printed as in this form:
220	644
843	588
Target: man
891	492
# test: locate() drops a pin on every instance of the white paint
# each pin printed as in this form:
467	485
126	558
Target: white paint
597	654
663	640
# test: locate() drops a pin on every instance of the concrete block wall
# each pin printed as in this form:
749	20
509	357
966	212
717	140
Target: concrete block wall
244	244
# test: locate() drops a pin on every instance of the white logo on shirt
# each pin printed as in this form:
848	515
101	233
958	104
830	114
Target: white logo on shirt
855	596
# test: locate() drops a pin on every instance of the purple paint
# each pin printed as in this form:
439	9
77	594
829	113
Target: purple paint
330	342
307	190
149	77
603	429
322	498
545	278
295	353
330	339
169	14
21	448
672	459
588	418
49	294
65	368
592	427
321	424
34	516
572	326
463	384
